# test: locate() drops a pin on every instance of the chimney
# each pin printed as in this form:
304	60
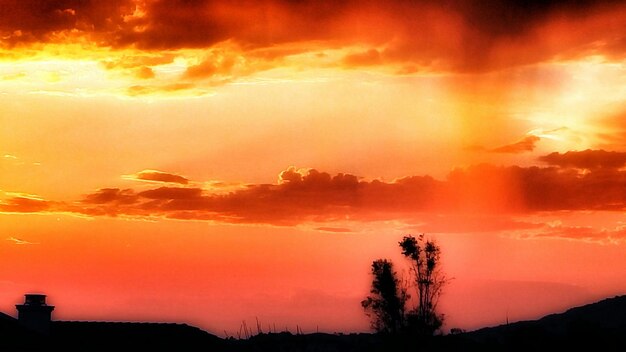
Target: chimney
35	314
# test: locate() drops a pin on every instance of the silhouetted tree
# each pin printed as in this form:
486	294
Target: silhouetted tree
428	280
387	304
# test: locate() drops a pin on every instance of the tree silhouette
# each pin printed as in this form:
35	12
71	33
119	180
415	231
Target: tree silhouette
387	304
428	281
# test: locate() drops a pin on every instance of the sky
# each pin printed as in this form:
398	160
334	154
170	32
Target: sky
216	162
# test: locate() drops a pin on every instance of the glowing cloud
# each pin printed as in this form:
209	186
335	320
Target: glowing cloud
19	241
157	176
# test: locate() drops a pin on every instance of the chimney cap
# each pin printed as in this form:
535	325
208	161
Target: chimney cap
34	299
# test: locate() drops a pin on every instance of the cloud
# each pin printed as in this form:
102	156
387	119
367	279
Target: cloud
216	64
13	76
200	24
138	60
471	223
333	229
172	193
157	176
141	90
613	133
111	196
608	235
310	196
144	72
227	61
587	159
24	204
526	144
367	58
25	21
474	36
18	241
461	36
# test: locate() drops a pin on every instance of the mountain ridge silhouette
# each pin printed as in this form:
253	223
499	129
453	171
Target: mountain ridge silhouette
600	326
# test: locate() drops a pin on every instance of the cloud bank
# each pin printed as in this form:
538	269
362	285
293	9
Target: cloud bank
457	35
302	196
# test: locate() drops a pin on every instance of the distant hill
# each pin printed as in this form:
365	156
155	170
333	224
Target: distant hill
599	326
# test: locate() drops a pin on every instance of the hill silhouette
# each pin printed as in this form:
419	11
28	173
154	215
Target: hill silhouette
596	326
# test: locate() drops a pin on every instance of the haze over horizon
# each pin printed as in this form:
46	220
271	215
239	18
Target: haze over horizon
211	162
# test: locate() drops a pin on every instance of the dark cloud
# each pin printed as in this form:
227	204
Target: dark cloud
172	193
459	35
21	204
567	189
157	176
198	24
511	18
24	21
111	195
526	144
478	36
314	196
587	159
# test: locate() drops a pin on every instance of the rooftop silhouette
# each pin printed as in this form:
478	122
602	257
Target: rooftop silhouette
35	330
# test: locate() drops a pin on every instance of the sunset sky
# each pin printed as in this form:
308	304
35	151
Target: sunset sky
211	162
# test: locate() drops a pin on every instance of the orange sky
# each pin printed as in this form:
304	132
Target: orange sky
210	163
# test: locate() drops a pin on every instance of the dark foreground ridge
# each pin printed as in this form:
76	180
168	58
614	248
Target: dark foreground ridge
600	326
